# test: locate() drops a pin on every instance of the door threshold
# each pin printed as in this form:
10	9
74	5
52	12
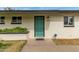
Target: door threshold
39	38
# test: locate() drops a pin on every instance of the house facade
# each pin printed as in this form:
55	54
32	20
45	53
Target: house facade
60	23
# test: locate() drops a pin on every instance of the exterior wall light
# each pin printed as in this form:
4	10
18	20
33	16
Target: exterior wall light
48	18
55	36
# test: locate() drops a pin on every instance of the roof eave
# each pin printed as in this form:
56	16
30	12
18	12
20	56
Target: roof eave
39	10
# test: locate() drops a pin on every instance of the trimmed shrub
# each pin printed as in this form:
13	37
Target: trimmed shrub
15	30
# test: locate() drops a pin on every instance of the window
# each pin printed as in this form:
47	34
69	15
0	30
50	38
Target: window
16	20
68	21
2	18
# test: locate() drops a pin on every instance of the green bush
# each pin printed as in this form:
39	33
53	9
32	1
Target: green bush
3	46
6	30
0	30
14	30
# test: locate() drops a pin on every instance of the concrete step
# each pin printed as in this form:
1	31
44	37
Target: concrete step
40	42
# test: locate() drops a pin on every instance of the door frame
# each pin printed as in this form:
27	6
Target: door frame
43	26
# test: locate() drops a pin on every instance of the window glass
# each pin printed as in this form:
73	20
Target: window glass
68	21
2	18
16	20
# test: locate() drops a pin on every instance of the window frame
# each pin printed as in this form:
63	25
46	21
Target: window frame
18	20
68	25
2	19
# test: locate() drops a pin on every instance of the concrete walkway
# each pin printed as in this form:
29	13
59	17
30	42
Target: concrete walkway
48	45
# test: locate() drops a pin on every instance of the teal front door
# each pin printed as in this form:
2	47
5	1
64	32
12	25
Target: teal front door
39	26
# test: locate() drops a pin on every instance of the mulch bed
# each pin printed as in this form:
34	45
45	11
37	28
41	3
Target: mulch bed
66	41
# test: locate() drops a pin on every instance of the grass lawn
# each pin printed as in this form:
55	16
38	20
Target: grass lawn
11	45
66	41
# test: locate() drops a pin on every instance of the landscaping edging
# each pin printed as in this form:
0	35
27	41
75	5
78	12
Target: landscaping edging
14	36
